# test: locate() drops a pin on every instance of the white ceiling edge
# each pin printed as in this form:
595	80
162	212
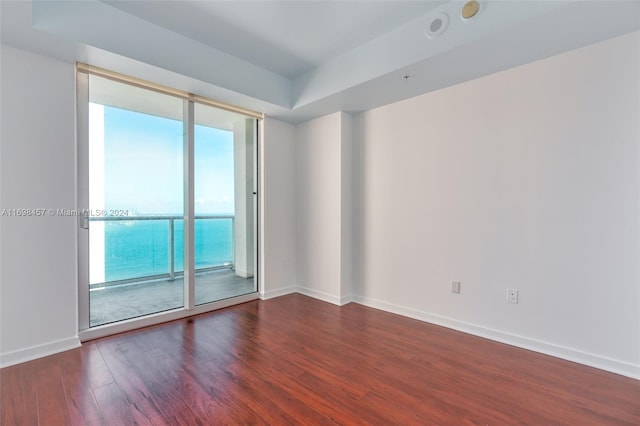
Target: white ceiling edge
16	32
98	24
485	56
408	45
572	26
287	37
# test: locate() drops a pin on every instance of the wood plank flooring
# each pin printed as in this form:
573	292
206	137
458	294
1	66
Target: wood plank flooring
296	360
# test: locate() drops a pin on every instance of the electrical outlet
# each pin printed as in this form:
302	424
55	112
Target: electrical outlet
512	295
455	287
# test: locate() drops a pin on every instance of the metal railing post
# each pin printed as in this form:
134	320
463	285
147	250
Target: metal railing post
171	253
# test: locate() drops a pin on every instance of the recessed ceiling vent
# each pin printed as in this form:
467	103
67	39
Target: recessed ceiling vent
437	26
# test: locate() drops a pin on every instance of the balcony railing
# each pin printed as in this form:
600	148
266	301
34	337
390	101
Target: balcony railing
171	221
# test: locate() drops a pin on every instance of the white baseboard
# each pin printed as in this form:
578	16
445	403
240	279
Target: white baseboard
346	299
277	292
320	295
325	297
558	351
593	360
39	351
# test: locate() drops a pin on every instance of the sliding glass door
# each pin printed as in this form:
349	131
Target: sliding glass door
166	198
224	190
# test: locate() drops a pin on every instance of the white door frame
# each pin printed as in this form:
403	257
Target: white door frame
85	332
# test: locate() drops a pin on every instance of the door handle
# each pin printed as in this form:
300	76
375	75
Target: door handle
83	221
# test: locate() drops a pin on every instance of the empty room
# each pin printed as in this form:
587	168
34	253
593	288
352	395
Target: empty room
319	212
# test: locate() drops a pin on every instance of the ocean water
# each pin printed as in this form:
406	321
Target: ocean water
141	248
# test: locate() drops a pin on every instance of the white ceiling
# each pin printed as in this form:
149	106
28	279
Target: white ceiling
300	59
286	37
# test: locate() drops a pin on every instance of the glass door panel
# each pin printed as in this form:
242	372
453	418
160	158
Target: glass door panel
224	163
167	199
135	201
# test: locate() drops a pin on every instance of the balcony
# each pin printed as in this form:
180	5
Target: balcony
136	265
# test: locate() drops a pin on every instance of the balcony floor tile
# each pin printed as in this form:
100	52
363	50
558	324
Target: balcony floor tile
127	301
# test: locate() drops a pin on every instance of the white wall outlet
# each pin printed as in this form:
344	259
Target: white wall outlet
455	287
512	295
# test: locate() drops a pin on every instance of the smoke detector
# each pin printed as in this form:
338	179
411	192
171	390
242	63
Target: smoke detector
437	25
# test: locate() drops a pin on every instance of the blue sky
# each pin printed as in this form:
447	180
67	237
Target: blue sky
144	163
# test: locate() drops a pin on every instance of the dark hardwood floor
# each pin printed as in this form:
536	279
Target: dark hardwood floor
296	360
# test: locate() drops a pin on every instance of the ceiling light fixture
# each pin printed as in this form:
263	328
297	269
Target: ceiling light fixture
470	9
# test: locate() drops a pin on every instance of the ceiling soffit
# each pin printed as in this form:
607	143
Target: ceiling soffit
366	74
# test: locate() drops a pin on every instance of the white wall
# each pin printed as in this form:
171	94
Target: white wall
38	257
323	240
38	313
277	198
528	179
346	205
